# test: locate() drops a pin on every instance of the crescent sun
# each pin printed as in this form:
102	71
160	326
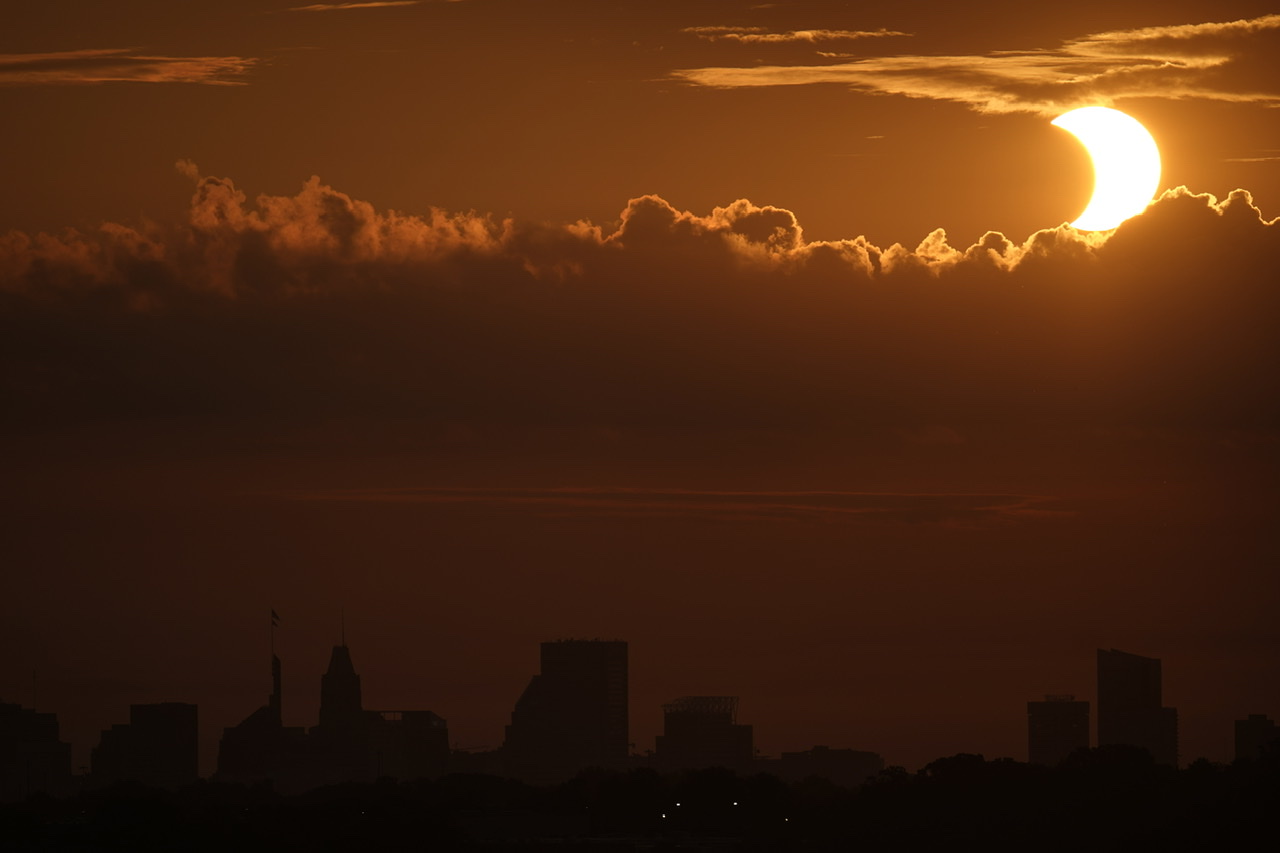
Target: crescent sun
1126	165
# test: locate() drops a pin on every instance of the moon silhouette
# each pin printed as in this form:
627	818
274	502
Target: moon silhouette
1126	165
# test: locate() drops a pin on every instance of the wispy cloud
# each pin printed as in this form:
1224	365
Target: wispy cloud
1268	155
342	7
120	65
1229	61
813	506
761	35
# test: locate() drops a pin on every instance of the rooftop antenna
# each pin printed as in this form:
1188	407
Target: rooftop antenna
342	617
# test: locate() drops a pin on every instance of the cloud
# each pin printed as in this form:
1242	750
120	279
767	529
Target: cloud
318	305
120	65
1212	61
828	507
760	35
342	7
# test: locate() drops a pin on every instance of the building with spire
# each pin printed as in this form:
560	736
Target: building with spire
261	748
349	744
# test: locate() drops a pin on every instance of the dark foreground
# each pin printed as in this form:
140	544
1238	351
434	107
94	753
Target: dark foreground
1100	800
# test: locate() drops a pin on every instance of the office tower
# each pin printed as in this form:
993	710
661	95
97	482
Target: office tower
573	714
1129	706
703	731
32	759
340	701
261	748
1056	727
1254	734
341	746
158	746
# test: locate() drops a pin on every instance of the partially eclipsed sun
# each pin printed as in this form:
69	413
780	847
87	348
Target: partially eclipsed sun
1126	165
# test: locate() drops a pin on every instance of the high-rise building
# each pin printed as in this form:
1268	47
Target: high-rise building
32	758
340	745
1129	705
340	701
703	731
261	748
573	714
158	746
1056	727
1255	733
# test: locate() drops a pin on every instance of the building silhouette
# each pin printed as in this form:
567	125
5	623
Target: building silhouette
848	767
1254	734
261	748
1130	706
340	744
573	713
703	731
158	746
1056	727
32	758
349	744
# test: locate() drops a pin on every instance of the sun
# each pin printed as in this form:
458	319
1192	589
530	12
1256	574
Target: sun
1126	165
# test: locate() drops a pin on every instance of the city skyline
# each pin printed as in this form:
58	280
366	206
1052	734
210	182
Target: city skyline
756	334
713	742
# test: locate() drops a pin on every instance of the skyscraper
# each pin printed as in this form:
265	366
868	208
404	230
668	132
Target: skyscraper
261	748
573	714
340	746
1129	705
1056	727
340	701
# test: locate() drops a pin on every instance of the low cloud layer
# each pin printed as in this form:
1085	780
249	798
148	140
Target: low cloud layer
320	305
761	35
1227	61
827	507
120	65
343	7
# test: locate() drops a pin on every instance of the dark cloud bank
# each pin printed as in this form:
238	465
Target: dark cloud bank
318	305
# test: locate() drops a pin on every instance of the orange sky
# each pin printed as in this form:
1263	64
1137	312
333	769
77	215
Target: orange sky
634	320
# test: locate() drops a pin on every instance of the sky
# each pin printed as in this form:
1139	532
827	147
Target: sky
752	334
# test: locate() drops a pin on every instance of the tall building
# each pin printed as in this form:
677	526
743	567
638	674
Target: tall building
340	745
158	746
1129	706
261	748
340	700
703	731
573	714
32	758
1056	727
350	743
1254	734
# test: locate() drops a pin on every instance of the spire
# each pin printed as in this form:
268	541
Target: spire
342	618
340	699
275	689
